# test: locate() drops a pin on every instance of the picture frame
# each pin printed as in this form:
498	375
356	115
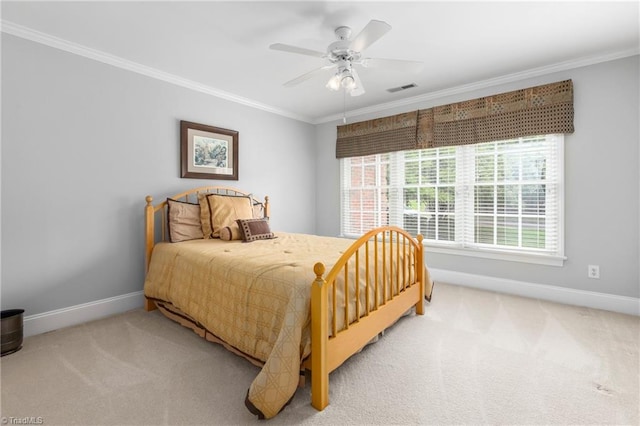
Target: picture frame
208	152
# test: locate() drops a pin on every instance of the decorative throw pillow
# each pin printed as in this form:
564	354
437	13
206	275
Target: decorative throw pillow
255	229
231	232
226	209
183	221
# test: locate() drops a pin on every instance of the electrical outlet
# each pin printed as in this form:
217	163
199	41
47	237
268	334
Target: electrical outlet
594	271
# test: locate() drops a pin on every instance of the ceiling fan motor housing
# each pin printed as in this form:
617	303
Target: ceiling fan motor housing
339	50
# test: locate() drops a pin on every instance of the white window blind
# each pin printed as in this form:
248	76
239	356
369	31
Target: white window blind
503	196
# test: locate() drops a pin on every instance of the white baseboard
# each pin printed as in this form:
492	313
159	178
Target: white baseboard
78	314
591	299
74	315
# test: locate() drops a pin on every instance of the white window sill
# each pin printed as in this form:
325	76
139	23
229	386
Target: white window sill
541	259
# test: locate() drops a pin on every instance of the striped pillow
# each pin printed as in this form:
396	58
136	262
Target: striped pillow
231	232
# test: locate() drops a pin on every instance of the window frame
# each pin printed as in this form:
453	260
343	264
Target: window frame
457	247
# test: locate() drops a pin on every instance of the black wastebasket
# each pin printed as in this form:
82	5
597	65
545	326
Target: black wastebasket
11	331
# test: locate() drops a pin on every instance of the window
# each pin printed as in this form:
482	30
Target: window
491	199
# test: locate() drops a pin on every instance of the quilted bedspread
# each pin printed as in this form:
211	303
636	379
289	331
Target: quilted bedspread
254	296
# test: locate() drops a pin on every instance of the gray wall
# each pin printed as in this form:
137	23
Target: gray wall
601	183
83	143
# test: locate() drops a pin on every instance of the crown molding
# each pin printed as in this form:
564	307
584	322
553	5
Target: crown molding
116	61
100	56
508	78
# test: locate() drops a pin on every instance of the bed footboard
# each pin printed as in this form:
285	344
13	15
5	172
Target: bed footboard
387	267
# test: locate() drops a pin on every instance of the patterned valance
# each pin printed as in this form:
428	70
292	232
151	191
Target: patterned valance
387	134
539	110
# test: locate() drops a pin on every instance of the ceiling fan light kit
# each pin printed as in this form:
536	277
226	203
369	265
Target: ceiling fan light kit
334	83
343	78
344	53
348	82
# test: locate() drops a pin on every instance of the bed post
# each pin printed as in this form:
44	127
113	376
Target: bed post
420	274
149	231
149	222
319	340
267	208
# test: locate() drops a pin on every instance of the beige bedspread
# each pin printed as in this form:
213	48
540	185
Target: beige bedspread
254	296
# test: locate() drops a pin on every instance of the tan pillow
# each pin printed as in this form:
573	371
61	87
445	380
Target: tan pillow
225	210
231	232
255	229
183	221
205	215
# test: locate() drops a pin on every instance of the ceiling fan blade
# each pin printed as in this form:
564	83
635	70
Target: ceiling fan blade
395	64
358	89
369	35
295	49
307	76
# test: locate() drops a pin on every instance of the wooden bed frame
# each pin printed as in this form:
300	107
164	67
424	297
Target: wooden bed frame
330	347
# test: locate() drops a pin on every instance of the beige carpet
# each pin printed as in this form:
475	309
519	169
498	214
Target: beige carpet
475	358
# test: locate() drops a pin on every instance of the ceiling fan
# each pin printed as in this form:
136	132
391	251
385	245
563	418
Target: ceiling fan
344	53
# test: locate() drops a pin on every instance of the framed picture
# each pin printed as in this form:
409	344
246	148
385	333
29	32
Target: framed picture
208	152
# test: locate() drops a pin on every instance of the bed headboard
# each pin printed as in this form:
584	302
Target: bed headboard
158	213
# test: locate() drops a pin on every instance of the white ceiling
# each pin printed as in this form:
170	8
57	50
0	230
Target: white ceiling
223	47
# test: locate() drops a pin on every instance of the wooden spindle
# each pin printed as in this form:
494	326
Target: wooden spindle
384	268
367	278
334	305
357	282
346	295
375	272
